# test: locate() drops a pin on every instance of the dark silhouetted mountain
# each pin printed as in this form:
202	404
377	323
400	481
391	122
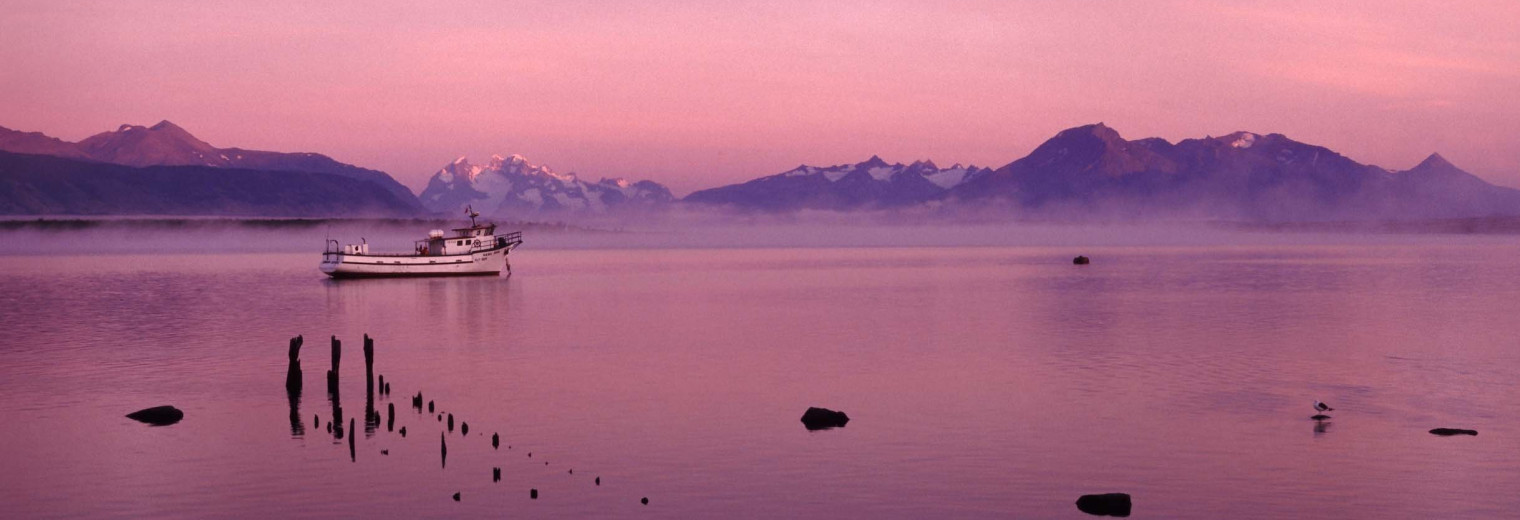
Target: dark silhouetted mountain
37	143
514	187
49	185
1092	171
166	144
872	184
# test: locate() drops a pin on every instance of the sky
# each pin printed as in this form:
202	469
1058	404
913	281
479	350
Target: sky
699	94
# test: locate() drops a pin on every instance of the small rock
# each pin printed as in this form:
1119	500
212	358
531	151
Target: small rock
1108	504
644	501
464	429
495	441
456	497
430	407
533	493
403	431
158	415
385	452
1081	260
598	481
451	422
1447	432
495	474
823	418
1319	417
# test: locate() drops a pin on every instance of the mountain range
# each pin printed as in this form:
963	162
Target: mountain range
166	144
872	184
1084	172
1091	171
513	186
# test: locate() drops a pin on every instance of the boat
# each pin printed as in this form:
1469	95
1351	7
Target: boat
470	251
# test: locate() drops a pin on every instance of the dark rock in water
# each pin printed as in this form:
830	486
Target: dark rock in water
387	390
451	422
390	420
644	501
1108	504
417	401
822	418
382	383
440	417
598	481
1081	260
403	431
385	452
495	441
1447	432
533	493
158	415
316	420
464	429
430	407
495	474
456	497
1319	417
572	471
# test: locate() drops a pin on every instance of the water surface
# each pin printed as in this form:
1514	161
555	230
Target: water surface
980	382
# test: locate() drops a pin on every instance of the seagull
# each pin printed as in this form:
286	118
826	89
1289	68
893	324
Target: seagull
1322	407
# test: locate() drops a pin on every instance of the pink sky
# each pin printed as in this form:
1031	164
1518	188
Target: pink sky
697	94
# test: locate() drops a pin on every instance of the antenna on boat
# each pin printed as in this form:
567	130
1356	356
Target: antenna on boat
472	213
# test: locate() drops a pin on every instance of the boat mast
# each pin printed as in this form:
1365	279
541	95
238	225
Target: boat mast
472	213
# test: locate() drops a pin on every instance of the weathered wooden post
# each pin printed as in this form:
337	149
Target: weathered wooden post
332	375
369	362
293	374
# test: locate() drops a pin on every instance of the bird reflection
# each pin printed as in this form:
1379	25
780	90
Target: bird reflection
1321	427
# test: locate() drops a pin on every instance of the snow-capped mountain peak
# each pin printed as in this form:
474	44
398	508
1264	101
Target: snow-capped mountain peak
512	185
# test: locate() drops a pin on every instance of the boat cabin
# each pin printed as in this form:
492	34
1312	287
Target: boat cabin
463	241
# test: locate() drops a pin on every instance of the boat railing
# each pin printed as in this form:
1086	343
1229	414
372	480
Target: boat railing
505	240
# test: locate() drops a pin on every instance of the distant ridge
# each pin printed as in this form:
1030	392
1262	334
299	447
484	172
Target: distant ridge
48	185
166	144
870	184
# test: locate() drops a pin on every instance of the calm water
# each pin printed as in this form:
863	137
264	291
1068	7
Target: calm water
980	382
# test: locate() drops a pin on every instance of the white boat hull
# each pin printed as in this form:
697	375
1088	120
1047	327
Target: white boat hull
481	263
